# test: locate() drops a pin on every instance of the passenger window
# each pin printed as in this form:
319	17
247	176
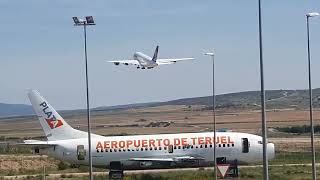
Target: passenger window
245	145
81	152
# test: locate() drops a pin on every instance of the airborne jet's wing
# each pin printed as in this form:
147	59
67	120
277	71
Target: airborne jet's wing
126	62
168	158
171	61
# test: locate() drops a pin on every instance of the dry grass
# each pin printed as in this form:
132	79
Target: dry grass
183	120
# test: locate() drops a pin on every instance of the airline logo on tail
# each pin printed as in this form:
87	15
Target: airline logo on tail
52	121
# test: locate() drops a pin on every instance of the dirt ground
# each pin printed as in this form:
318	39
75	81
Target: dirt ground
178	119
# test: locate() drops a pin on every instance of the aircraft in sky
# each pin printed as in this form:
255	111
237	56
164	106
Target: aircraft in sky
145	62
141	151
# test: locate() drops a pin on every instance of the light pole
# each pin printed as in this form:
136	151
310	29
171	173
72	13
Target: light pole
263	103
87	22
314	176
214	115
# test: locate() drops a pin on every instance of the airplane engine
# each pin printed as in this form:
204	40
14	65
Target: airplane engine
116	63
126	64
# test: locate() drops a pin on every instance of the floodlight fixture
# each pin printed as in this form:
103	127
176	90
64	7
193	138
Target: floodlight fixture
312	14
90	20
209	54
81	22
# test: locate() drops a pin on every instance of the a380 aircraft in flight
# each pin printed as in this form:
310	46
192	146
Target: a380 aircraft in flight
141	151
145	62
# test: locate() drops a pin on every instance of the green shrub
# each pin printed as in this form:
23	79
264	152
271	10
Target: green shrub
62	165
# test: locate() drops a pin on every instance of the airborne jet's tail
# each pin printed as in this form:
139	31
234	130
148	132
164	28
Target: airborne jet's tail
155	55
53	125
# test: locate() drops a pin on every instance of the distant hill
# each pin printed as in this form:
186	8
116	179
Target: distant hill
275	99
7	110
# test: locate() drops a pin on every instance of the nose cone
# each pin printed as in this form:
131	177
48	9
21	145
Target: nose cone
271	151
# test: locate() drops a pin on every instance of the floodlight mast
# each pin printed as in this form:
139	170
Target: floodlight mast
263	100
88	22
214	115
314	172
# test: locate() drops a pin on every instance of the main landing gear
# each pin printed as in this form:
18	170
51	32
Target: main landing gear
116	171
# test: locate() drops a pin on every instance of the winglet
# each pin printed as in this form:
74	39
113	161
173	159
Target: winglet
155	55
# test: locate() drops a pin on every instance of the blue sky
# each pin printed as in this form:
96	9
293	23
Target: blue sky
41	49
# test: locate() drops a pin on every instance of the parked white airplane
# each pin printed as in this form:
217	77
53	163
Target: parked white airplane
145	62
141	151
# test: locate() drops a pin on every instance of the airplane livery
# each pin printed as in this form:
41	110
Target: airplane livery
141	151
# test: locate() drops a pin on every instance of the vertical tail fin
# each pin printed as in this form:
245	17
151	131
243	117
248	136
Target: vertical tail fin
155	55
53	125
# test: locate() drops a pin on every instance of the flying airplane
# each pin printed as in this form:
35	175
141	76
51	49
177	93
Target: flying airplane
145	62
141	151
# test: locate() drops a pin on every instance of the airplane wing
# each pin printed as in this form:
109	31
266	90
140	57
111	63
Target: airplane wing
168	159
171	61
126	62
37	143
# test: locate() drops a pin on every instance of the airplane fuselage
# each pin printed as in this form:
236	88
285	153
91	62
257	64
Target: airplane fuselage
145	61
245	148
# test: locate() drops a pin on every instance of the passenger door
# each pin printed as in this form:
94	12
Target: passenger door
245	145
81	152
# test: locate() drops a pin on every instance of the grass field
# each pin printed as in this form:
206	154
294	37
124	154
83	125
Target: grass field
290	148
12	165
